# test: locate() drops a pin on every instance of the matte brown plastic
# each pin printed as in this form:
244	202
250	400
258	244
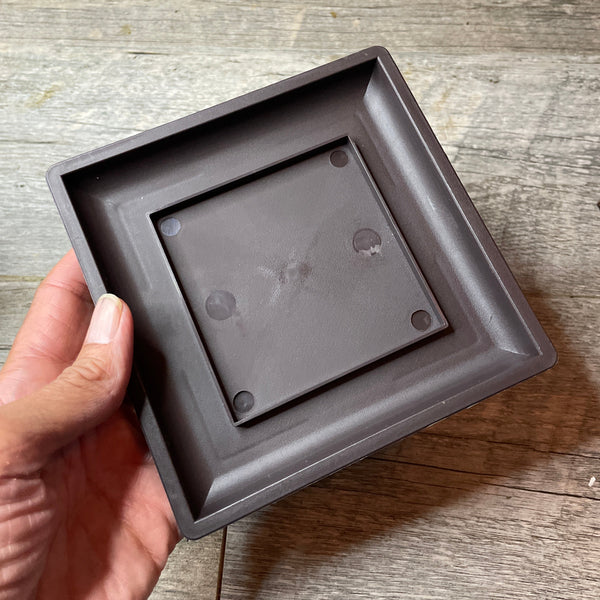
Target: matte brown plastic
309	282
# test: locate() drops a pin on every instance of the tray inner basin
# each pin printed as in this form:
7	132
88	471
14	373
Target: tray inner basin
296	276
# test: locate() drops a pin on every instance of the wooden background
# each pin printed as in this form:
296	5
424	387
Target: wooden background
495	502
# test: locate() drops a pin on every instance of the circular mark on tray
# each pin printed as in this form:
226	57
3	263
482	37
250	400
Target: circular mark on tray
367	242
220	305
243	402
421	320
170	226
338	158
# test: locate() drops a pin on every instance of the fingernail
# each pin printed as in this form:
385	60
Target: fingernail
105	320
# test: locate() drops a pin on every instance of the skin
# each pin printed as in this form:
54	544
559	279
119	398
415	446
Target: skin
83	513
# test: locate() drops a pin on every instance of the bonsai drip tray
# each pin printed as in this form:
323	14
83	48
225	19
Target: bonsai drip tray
309	282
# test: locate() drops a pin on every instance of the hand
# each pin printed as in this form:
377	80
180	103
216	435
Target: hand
82	511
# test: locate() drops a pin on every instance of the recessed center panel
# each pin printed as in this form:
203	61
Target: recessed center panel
296	277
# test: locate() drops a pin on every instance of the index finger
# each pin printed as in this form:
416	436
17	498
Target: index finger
52	333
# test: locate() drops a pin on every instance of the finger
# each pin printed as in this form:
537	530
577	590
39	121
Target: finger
52	333
83	395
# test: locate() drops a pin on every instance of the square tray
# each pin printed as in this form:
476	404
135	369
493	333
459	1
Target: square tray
309	282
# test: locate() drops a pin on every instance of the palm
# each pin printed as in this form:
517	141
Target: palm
113	530
94	522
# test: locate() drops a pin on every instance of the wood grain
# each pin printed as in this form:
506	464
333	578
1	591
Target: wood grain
494	502
192	570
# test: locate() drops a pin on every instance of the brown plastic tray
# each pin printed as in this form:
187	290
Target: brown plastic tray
309	282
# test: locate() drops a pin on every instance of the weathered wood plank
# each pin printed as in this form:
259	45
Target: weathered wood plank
16	294
192	570
457	27
424	534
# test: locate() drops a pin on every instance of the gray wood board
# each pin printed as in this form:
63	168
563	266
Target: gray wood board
192	570
493	502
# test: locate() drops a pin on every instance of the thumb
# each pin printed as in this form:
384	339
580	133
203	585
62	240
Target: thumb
81	397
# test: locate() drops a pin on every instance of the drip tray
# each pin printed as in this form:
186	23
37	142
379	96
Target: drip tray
309	282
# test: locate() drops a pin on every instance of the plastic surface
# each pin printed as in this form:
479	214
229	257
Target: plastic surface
302	263
309	282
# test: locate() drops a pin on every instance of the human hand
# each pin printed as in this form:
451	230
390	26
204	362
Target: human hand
82	511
